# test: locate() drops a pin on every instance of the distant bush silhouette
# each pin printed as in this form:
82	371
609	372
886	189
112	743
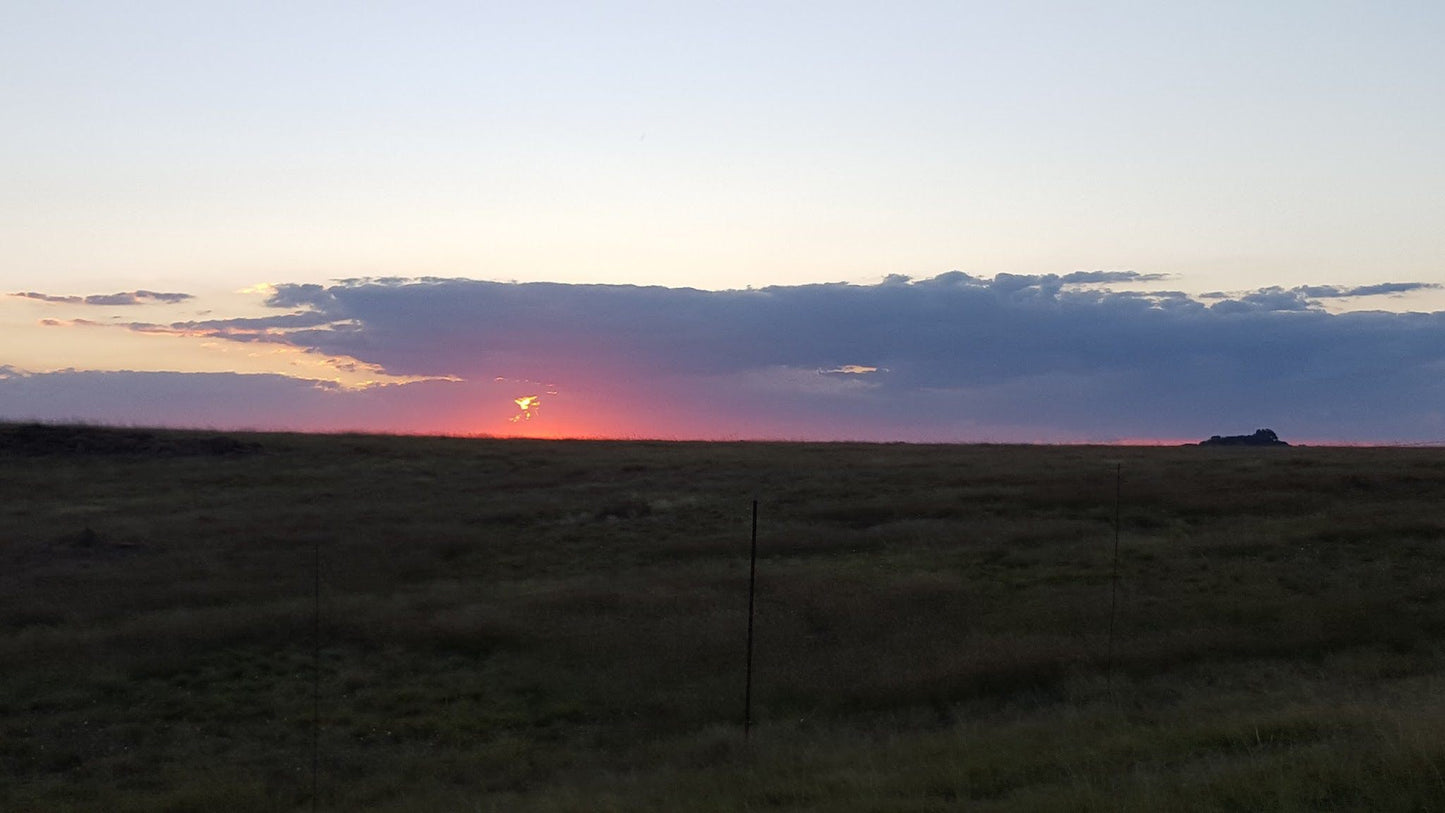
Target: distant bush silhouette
1261	437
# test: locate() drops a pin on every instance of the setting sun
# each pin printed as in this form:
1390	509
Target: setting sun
529	406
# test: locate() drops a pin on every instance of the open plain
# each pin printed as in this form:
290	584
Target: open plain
561	625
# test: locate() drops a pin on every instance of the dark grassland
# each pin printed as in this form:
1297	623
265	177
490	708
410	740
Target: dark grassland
547	626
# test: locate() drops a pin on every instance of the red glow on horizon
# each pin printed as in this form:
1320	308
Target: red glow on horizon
555	423
559	421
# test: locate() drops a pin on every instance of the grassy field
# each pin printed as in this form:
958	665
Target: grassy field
549	626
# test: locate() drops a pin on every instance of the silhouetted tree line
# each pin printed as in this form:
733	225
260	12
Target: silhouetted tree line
1261	437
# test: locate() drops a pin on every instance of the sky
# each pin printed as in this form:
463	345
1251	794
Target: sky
1032	222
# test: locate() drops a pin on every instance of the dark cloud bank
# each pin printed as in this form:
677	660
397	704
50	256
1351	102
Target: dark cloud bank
956	357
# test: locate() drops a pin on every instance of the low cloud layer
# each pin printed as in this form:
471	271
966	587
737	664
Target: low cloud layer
233	401
954	357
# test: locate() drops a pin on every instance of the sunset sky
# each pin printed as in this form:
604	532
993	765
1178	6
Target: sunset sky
1049	222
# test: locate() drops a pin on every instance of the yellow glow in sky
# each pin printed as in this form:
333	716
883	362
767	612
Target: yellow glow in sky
528	404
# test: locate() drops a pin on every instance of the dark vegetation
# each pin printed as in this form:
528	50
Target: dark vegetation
530	625
1261	437
35	439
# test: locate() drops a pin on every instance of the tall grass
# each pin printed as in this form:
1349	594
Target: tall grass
526	625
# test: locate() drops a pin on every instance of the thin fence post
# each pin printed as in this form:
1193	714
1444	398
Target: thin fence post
1114	577
752	590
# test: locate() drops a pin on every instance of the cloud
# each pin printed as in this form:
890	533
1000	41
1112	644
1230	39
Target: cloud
262	329
69	300
231	401
955	357
469	327
1267	299
74	323
965	355
1079	277
851	369
122	298
1384	288
1305	297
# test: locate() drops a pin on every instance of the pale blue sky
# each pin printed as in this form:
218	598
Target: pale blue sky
195	145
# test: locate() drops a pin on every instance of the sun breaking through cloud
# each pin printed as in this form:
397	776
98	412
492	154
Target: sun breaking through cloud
528	406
